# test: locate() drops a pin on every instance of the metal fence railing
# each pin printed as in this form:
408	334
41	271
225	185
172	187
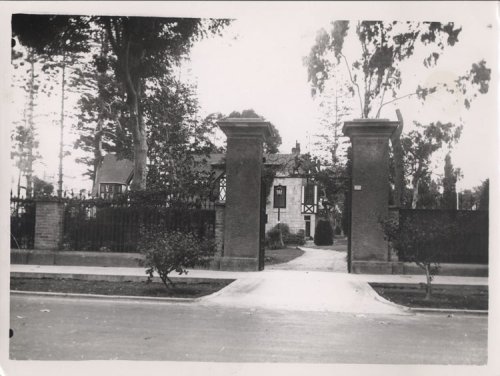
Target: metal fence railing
22	223
116	225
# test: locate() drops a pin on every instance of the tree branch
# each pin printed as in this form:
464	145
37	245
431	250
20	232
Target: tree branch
354	83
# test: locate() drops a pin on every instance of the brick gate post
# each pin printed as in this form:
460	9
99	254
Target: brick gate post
49	224
243	180
369	193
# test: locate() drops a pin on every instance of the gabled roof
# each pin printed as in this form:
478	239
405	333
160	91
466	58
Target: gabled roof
120	171
114	170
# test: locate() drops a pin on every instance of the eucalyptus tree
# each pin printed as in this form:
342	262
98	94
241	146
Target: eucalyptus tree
419	145
375	73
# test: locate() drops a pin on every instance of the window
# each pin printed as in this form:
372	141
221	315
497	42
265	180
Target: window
309	194
222	188
109	190
309	198
279	196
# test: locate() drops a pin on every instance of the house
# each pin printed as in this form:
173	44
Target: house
112	177
293	197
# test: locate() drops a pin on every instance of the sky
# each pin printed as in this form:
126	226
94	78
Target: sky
258	63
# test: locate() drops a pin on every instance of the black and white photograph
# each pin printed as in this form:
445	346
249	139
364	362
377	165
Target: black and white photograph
249	187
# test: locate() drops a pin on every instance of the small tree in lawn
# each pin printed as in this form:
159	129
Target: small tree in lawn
419	242
167	252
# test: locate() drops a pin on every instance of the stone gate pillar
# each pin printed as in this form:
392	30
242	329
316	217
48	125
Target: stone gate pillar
369	193
49	221
243	181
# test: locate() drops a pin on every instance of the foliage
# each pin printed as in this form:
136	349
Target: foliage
42	188
275	235
140	50
484	198
298	238
384	46
450	178
429	237
166	252
419	146
179	139
323	234
145	49
272	143
24	136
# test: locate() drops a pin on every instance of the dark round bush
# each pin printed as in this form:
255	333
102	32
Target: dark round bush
323	235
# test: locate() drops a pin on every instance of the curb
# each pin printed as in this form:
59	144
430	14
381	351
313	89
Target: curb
110	277
450	311
108	297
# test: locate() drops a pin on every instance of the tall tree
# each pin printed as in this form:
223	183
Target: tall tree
484	198
179	139
383	47
24	135
146	48
334	109
419	145
143	49
102	109
272	143
57	40
450	178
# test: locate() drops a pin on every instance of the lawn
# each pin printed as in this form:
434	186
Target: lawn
280	256
443	296
127	288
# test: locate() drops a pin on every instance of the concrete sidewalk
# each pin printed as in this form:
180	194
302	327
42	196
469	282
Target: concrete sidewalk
273	289
37	271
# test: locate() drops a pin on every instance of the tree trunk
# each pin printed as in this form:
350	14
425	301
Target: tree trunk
140	156
31	125
61	135
428	287
397	148
414	199
133	85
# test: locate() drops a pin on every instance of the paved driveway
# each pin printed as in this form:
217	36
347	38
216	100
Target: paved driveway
320	260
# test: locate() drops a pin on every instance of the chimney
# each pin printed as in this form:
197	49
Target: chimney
296	149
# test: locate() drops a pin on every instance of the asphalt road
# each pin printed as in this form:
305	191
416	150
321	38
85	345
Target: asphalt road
53	328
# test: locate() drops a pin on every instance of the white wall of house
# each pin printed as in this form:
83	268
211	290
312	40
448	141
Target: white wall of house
291	215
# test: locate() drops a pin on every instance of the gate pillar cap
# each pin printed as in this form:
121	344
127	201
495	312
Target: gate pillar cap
246	127
369	127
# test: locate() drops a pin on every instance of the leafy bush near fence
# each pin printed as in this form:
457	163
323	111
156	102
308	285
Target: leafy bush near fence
323	234
167	252
273	237
430	237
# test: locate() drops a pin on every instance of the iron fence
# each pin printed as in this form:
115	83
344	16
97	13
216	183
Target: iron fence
115	225
22	222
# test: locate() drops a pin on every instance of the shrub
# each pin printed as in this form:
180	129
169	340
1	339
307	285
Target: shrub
296	239
165	252
273	236
323	235
420	243
338	231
